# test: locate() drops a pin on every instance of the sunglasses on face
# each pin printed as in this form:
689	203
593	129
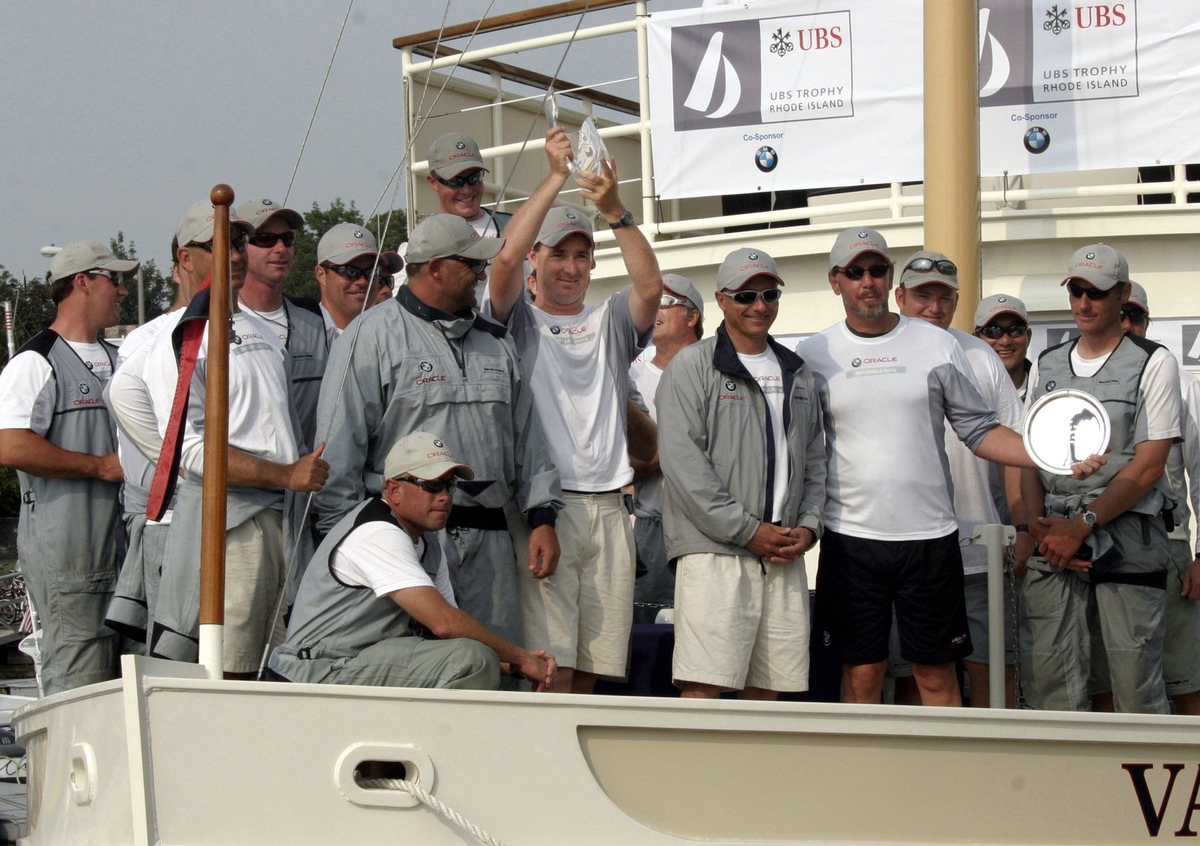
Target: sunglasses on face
1134	315
236	242
349	272
746	298
1092	294
1017	330
117	279
432	486
387	281
457	182
267	240
924	265
477	266
877	271
667	301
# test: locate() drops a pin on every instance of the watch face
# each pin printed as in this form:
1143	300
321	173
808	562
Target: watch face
1089	518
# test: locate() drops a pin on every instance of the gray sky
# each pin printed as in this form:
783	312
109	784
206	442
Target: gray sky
119	115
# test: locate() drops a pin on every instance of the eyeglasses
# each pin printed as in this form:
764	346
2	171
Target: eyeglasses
877	271
387	281
1134	315
667	301
349	272
236	242
267	240
747	298
1017	330
1092	294
432	486
117	279
473	178
924	265
478	266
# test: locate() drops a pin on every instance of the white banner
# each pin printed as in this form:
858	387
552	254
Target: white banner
809	94
1084	86
773	97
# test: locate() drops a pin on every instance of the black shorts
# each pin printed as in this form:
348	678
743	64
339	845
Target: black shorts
858	582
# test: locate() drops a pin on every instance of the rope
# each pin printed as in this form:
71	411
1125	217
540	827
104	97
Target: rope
424	797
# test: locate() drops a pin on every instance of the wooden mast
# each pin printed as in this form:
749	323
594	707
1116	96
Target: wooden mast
216	445
952	144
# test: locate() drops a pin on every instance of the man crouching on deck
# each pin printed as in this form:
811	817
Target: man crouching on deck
375	606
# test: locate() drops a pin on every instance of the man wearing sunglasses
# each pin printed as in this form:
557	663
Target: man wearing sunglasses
743	458
679	324
928	290
56	432
349	270
267	466
1102	549
1181	646
456	175
376	606
1003	322
425	360
298	322
889	386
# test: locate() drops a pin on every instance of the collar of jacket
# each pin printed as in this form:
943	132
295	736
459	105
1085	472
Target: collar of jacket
453	325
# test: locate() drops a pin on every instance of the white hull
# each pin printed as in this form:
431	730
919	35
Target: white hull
165	756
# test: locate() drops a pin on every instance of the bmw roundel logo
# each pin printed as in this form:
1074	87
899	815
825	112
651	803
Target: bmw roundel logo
84	389
1001	299
1037	140
856	362
765	159
426	366
266	202
1091	256
439	443
569	215
752	256
729	386
1050	385
556	329
358	233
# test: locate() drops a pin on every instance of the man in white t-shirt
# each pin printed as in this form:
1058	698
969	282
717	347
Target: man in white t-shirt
743	457
456	175
350	269
679	324
928	290
55	431
265	461
577	359
888	386
376	606
1102	548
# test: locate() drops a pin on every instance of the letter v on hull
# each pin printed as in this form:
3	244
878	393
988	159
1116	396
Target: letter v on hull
699	98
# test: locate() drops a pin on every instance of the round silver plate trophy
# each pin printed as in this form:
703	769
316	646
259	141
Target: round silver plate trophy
1065	427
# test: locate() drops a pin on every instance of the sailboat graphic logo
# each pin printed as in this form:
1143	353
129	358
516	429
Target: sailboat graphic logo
1001	67
713	66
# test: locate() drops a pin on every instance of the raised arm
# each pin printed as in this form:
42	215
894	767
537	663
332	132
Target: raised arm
507	280
640	263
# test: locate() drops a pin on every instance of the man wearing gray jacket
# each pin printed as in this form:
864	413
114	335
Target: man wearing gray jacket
743	455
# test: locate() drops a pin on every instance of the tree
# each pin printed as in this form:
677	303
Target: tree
159	290
318	221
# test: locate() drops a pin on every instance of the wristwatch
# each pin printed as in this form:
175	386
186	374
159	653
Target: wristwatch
626	219
1089	517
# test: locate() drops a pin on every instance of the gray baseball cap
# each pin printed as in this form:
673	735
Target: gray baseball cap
444	235
927	270
997	304
258	211
1137	296
680	286
742	265
852	243
345	242
563	221
453	153
1099	264
197	225
87	255
423	456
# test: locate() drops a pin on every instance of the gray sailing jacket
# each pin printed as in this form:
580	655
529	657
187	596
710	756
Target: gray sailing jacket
713	431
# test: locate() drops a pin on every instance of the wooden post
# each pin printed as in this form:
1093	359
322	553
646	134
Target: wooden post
216	445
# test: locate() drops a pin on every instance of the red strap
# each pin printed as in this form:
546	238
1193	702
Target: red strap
166	471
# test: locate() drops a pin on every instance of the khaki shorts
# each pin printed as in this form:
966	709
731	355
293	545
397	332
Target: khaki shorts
254	577
741	623
582	615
